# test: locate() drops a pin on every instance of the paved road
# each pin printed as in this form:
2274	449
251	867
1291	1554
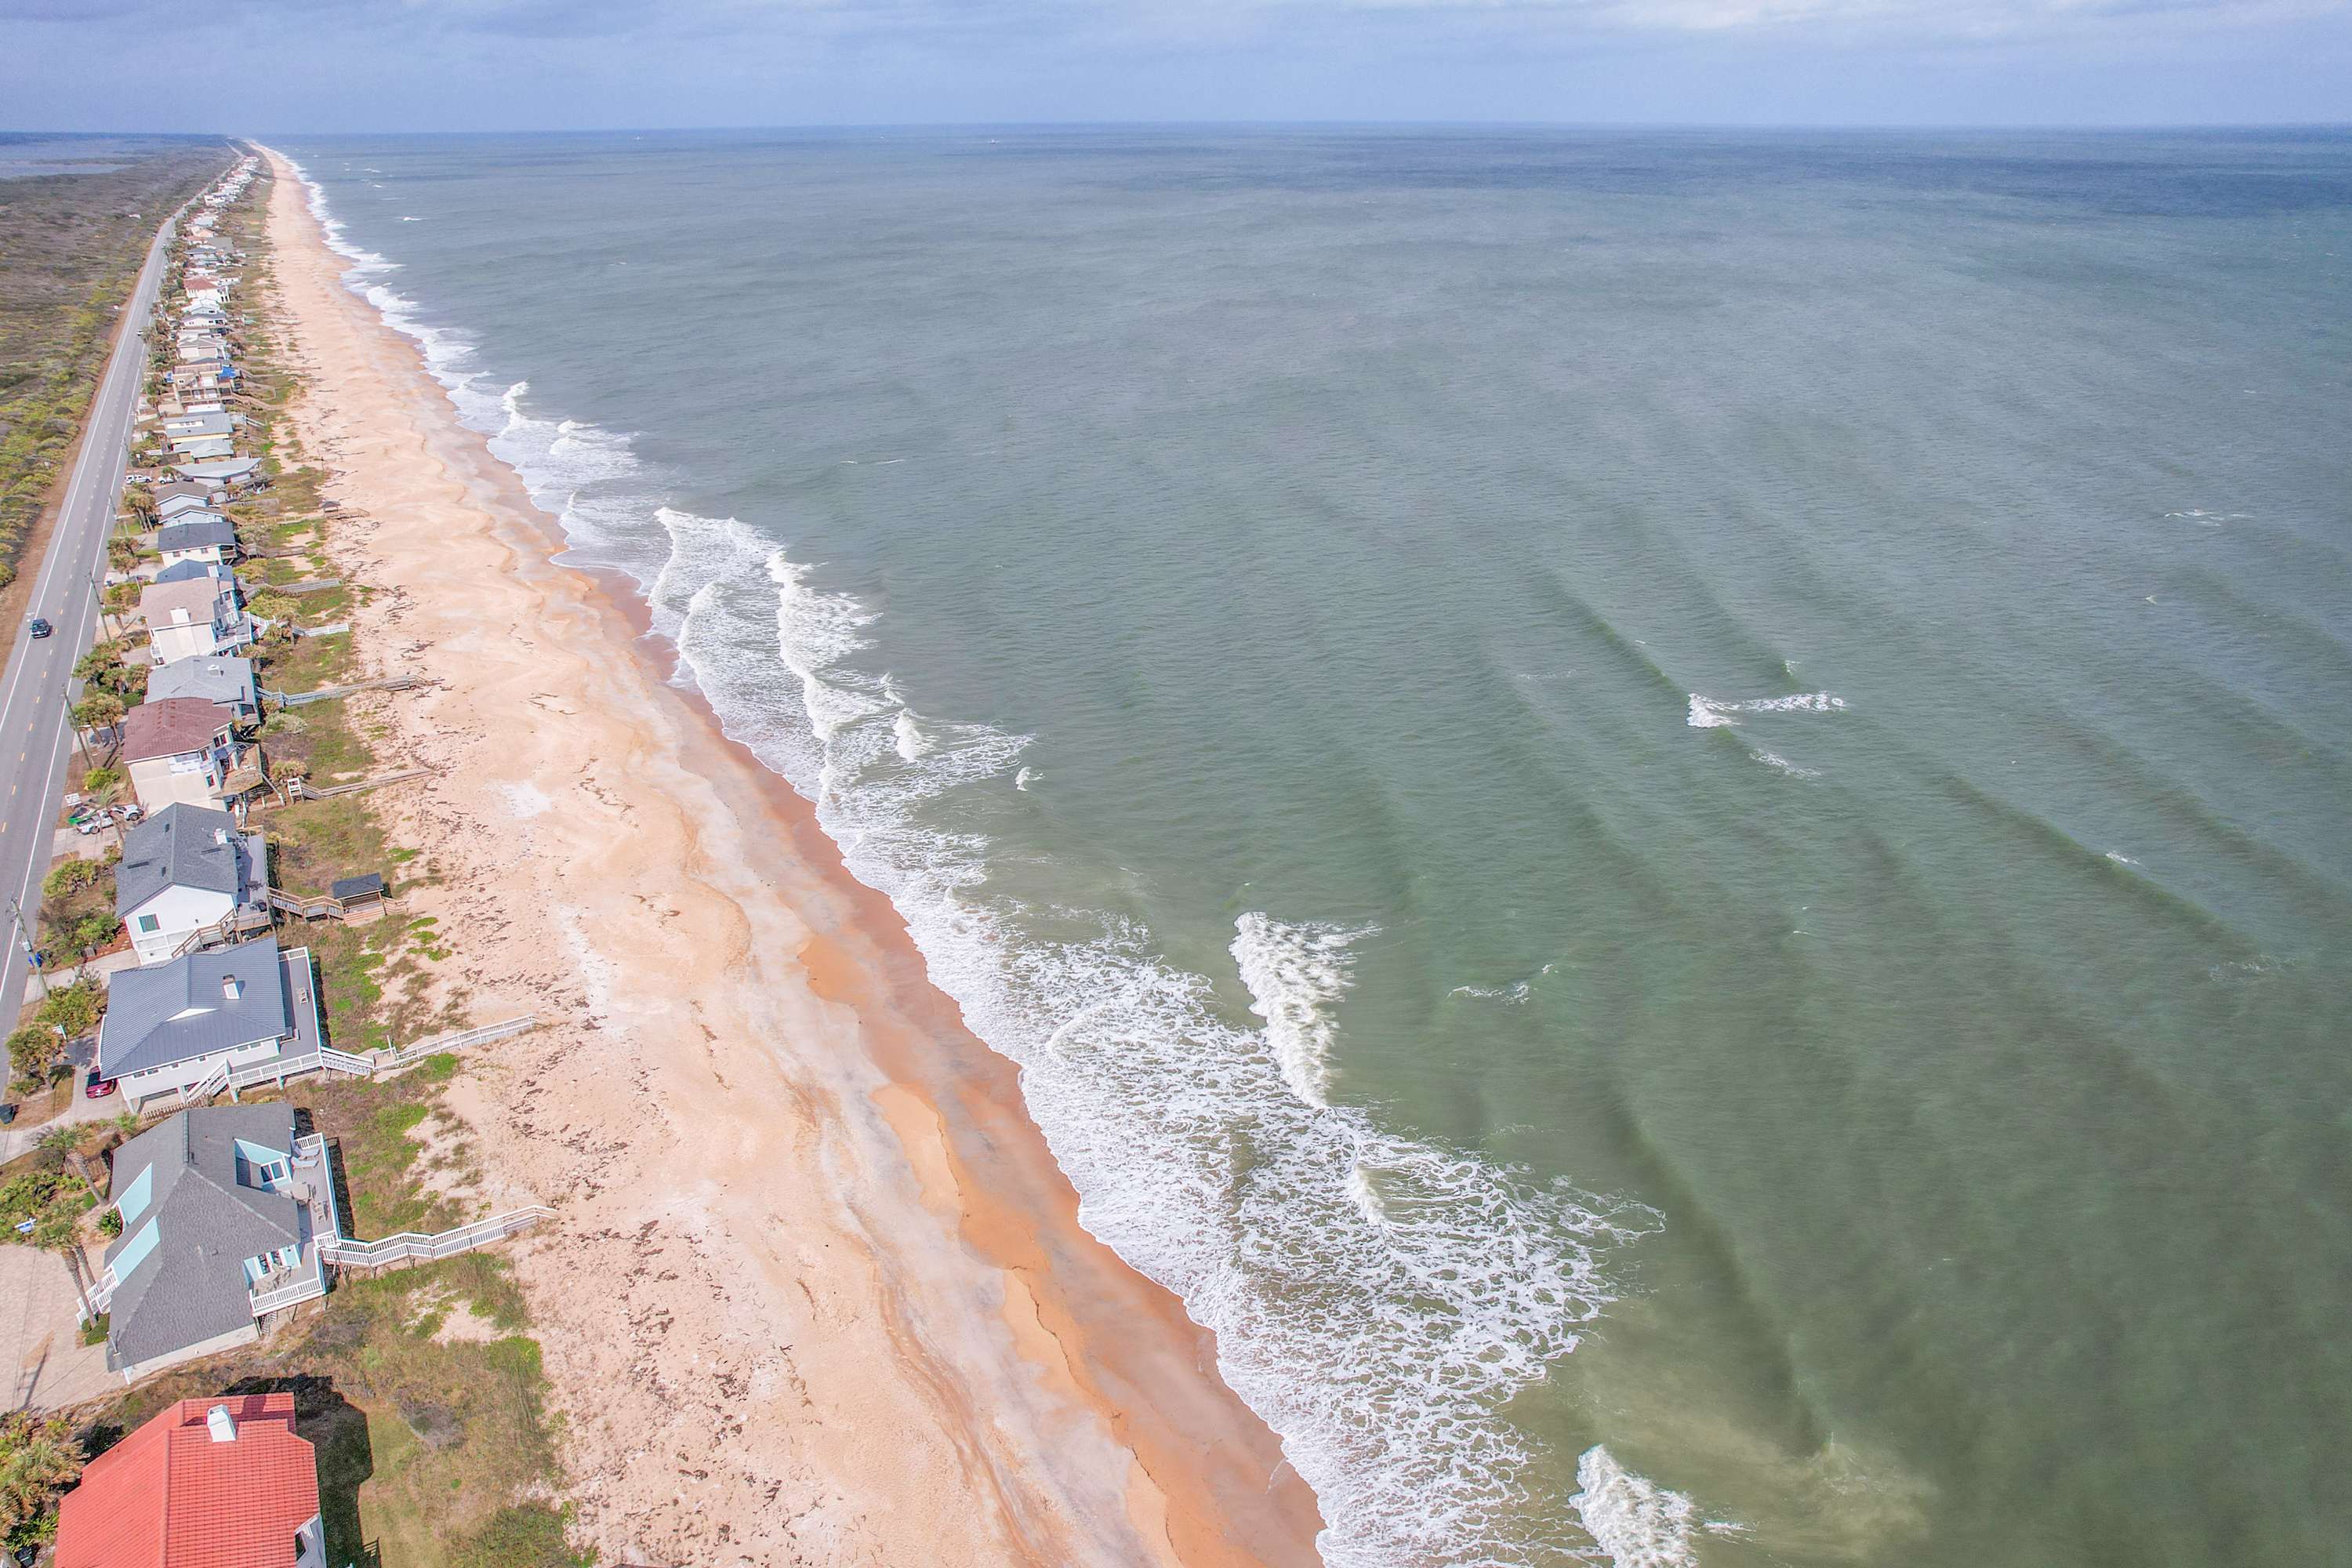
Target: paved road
34	733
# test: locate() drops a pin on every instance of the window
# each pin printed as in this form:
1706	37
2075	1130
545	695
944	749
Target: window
148	923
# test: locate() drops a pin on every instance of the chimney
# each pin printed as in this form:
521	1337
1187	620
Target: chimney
232	988
223	1425
220	836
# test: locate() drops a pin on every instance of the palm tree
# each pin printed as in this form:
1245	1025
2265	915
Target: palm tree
65	1142
103	788
38	1460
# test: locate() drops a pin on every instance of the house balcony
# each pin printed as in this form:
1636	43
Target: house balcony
311	1182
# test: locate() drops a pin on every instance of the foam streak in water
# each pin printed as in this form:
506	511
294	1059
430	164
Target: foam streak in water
1706	713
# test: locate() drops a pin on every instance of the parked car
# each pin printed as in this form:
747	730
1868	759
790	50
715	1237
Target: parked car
41	628
98	1088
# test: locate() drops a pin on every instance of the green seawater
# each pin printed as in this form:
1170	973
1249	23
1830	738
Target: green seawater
1666	813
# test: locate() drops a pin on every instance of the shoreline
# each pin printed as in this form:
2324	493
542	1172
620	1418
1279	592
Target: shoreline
912	1347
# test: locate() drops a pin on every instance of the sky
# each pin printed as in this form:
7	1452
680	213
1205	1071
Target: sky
260	66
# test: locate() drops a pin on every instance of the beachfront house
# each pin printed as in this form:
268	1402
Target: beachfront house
184	750
180	1024
203	446
226	682
192	618
208	1483
222	473
196	534
188	873
172	496
181	427
222	1208
187	506
198	570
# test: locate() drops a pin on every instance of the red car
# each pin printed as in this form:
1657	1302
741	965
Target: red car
98	1088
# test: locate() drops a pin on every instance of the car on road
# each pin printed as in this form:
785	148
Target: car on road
98	1088
40	628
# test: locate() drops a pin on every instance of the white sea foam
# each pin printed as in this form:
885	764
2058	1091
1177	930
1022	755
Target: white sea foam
1707	713
1516	993
1776	760
907	738
1375	1298
1295	972
1635	1522
1025	777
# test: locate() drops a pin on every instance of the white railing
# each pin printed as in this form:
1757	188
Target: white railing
326	1059
402	1057
308	1289
410	1243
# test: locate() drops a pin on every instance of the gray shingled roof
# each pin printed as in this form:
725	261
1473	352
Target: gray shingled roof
218	469
192	1287
216	677
189	571
167	1013
179	847
196	534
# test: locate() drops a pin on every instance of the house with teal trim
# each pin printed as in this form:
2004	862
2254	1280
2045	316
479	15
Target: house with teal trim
224	1214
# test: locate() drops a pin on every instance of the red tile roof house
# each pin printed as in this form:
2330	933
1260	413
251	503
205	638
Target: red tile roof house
209	1483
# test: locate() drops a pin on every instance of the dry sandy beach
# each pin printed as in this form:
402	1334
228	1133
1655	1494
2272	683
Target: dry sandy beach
817	1293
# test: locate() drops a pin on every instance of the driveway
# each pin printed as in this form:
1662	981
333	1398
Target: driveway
19	1139
41	1336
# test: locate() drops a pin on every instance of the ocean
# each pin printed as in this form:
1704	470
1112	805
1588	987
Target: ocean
1663	813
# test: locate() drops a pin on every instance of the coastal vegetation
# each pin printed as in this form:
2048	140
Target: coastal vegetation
70	247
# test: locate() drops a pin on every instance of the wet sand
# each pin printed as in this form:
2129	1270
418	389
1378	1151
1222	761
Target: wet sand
817	1292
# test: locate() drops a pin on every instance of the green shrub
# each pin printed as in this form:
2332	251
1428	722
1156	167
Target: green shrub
31	1050
93	931
24	1197
73	1008
69	877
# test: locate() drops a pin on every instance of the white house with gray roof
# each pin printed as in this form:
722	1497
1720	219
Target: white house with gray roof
223	1211
222	679
175	1025
186	869
195	536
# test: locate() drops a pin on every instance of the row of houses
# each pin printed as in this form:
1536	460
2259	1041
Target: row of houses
183	744
225	1219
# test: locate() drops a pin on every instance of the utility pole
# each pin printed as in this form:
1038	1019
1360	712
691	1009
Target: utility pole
25	940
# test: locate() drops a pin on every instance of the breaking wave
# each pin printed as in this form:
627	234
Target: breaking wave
1376	1299
1634	1521
1706	713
